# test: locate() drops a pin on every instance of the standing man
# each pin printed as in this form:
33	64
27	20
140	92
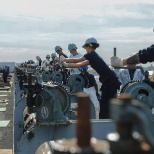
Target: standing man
62	56
53	62
59	51
5	74
74	54
46	65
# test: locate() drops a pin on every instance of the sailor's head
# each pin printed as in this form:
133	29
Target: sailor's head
38	58
72	48
48	56
58	50
53	55
91	43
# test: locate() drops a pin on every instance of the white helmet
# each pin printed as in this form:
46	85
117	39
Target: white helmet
57	58
89	41
58	48
71	46
47	56
38	58
53	55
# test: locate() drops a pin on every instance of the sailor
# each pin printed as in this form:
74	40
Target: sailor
59	51
57	66
142	56
62	56
53	56
46	65
91	88
37	63
109	80
5	74
53	62
74	54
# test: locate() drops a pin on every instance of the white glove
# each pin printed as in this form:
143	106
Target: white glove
61	61
64	64
116	62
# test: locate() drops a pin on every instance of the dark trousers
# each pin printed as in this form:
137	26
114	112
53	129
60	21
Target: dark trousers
5	79
107	94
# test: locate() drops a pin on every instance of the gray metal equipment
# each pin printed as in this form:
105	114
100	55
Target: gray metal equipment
51	104
47	121
140	91
134	131
57	77
76	83
46	76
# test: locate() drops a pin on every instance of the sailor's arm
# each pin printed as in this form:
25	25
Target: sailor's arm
143	56
75	65
74	60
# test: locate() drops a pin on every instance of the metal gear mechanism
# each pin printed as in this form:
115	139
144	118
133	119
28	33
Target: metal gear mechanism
57	77
61	92
140	91
46	76
76	83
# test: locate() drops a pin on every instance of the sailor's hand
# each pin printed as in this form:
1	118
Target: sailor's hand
50	66
28	65
64	64
61	60
116	61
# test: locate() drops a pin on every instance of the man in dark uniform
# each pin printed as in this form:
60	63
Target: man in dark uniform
143	56
110	83
5	74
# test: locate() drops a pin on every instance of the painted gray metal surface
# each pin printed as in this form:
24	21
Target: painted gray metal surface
44	133
40	132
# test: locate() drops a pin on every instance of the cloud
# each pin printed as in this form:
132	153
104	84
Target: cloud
37	26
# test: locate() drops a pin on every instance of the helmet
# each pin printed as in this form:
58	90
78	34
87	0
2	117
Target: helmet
57	58
38	58
71	46
53	55
47	56
84	67
89	41
58	48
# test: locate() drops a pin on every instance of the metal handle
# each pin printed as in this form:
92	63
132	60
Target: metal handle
114	52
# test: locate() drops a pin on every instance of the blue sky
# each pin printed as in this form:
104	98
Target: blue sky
34	27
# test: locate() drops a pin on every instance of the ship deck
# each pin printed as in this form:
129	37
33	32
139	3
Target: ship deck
6	118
